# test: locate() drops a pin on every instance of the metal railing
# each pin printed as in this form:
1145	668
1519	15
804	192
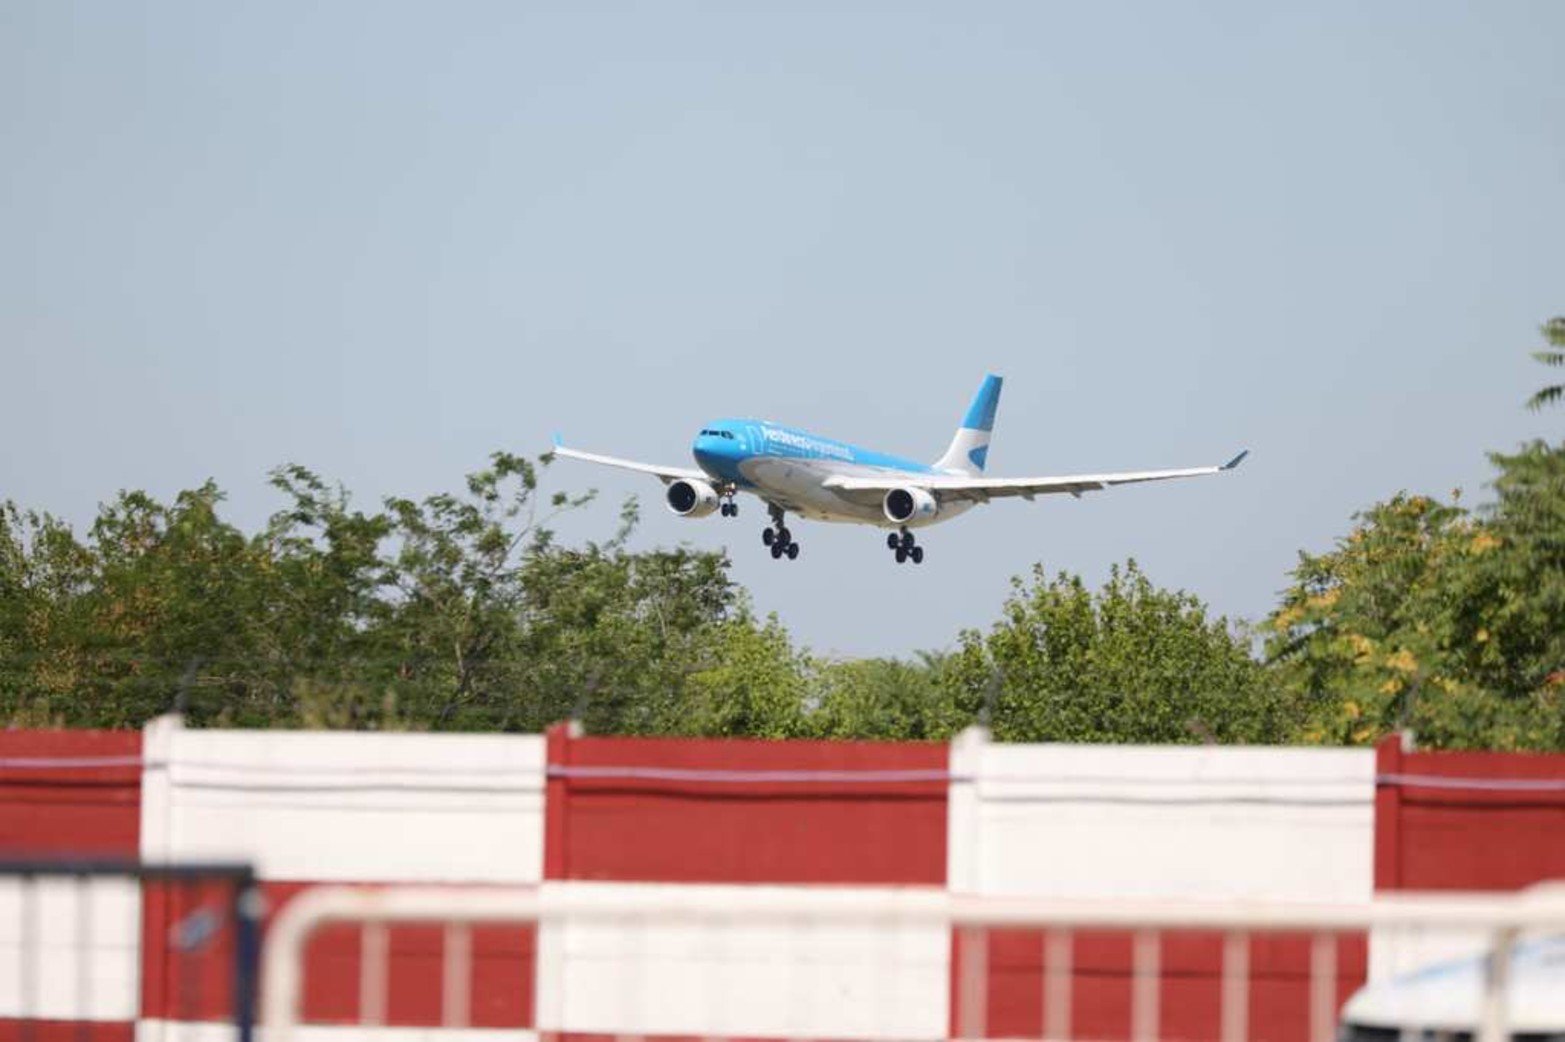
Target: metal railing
1502	918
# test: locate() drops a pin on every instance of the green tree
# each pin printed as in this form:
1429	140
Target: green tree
1381	620
1128	663
753	684
885	699
1554	333
1431	617
612	637
455	611
1520	621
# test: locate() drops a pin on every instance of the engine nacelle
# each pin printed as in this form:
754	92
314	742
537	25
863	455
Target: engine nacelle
690	498
909	506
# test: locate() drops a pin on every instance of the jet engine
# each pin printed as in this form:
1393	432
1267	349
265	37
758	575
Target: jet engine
690	498
909	506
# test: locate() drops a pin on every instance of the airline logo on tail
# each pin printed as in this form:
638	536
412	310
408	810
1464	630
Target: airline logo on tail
969	449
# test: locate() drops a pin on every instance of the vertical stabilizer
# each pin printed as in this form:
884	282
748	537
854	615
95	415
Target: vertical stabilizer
969	449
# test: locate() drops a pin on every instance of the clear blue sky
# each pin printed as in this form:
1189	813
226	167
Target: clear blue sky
384	240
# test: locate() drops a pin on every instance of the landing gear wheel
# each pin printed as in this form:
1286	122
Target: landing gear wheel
901	555
784	536
778	549
907	540
767	536
793	551
893	540
918	554
733	509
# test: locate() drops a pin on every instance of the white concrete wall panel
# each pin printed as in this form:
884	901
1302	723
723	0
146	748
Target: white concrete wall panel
1184	822
793	980
347	806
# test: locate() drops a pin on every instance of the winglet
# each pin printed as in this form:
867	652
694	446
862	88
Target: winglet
559	442
1231	464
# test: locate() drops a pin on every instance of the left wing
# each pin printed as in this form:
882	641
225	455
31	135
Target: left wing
981	489
666	474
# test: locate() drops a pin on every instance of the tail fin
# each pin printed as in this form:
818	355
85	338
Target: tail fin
970	447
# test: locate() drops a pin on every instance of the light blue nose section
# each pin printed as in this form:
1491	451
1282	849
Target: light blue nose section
718	452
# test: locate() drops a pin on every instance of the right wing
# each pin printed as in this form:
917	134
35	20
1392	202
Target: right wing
981	489
665	474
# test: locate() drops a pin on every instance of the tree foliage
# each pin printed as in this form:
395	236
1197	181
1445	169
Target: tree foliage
1429	616
1129	663
1553	355
458	611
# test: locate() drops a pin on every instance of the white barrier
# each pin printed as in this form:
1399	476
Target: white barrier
1503	917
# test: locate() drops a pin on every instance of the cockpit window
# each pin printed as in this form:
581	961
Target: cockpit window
718	434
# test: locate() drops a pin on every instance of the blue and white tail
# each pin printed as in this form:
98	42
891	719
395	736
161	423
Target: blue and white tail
970	448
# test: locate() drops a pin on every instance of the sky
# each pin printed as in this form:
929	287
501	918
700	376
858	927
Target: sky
385	240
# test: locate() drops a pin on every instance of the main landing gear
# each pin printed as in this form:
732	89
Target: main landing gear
779	538
901	544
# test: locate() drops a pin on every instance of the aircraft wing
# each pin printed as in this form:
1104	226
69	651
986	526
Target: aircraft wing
665	474
982	489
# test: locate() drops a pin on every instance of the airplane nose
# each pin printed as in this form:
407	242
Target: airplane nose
715	454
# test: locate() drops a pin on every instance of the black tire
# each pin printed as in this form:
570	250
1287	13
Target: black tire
893	540
907	540
901	555
777	550
918	554
767	535
733	510
785	535
793	551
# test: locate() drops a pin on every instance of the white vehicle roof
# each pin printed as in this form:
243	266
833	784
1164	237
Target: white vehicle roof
1448	995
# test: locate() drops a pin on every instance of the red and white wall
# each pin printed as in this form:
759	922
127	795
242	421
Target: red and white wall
1179	822
343	807
561	810
637	812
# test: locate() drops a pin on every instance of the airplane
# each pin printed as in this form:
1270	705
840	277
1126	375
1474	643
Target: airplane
794	471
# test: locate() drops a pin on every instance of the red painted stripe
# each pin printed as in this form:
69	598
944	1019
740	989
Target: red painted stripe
685	820
75	810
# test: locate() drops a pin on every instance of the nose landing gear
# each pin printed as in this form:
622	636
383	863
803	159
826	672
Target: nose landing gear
902	546
779	538
729	507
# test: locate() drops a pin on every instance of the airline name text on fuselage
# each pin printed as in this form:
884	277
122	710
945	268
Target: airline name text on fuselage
799	441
